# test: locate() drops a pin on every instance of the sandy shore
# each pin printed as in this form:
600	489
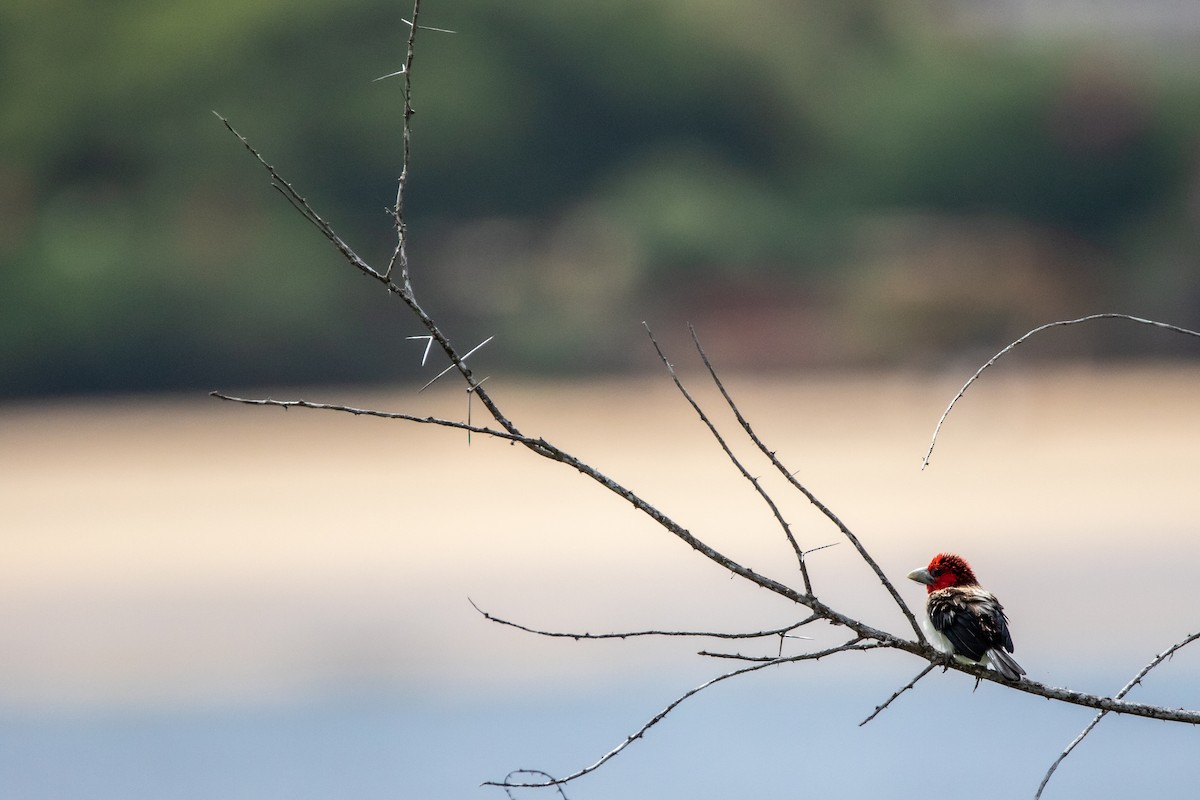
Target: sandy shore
177	550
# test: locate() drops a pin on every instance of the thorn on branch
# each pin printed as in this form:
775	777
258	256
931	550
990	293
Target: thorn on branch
460	364
428	345
470	394
428	27
301	205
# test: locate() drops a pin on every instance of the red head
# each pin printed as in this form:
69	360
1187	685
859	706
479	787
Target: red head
944	571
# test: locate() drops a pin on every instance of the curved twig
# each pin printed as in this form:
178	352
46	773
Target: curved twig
551	781
941	421
1158	659
508	787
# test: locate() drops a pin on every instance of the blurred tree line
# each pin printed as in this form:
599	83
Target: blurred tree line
853	182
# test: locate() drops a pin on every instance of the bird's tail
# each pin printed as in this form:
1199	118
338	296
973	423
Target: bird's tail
1003	663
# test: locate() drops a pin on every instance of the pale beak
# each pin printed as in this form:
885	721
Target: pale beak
921	576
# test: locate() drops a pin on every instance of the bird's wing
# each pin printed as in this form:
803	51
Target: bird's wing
971	619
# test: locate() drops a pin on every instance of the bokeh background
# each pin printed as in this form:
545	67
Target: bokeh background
856	203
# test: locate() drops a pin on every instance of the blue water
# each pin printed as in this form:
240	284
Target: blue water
788	735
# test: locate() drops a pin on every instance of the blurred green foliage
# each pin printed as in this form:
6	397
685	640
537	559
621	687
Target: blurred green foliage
577	167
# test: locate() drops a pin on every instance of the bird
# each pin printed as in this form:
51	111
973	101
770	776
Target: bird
964	619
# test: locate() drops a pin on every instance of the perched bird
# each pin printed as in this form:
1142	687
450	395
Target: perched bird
963	618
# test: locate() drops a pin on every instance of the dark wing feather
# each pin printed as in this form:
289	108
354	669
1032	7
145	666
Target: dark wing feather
971	619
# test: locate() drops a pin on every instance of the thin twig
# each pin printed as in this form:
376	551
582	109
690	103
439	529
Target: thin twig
787	529
550	778
856	644
941	421
400	253
302	205
634	634
897	693
791	478
1158	659
640	732
368	412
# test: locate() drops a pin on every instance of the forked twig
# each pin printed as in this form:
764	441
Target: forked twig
1158	659
787	529
791	478
941	421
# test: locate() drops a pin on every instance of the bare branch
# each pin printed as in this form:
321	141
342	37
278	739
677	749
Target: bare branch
1115	705
301	205
547	450
400	253
827	613
787	530
1154	662
550	778
554	453
855	644
634	634
897	693
938	428
791	478
404	289
367	412
640	732
404	292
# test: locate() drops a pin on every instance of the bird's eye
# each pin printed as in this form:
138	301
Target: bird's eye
935	571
